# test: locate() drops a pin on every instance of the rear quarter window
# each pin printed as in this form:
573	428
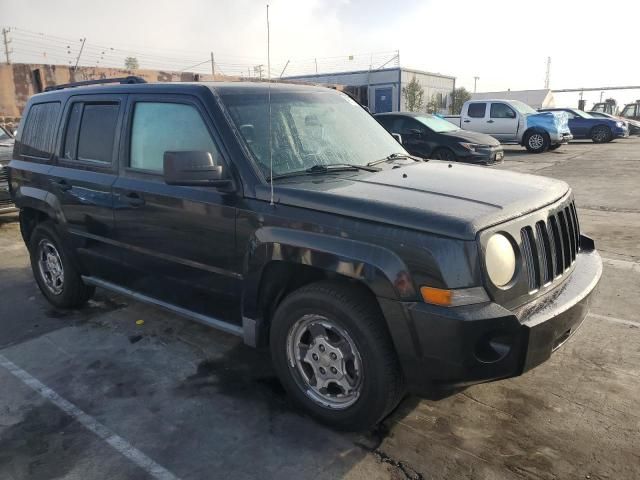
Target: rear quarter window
39	130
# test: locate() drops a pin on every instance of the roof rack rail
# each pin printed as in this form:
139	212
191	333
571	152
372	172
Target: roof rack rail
122	80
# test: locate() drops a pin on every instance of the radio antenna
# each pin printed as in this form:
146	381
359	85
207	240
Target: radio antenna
269	102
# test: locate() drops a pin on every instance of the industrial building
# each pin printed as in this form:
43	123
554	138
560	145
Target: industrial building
535	98
381	89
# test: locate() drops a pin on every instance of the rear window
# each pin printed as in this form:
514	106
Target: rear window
91	131
477	110
97	132
39	130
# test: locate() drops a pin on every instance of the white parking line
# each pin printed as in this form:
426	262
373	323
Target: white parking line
615	319
622	264
117	443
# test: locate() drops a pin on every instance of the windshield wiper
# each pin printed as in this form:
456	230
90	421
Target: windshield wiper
329	168
393	156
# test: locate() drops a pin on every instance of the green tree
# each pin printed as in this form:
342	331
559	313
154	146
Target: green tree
413	95
433	105
131	63
460	95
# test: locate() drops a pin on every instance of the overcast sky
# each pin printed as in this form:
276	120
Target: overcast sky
505	43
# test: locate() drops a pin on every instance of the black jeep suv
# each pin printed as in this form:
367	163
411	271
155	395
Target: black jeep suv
285	214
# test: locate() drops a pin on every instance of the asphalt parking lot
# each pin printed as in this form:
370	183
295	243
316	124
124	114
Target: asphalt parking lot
93	394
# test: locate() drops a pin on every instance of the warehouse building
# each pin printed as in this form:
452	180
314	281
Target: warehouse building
381	89
535	98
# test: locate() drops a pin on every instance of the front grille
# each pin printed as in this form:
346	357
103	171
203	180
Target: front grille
4	174
549	247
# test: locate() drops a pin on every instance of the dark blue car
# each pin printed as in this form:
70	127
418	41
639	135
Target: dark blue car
583	125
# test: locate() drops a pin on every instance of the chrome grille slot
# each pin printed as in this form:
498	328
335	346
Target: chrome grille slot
4	174
544	252
530	257
557	241
566	243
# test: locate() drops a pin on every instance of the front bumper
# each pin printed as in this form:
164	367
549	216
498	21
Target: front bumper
479	343
6	204
561	137
621	132
484	156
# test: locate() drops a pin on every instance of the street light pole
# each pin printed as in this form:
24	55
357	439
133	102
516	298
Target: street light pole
475	83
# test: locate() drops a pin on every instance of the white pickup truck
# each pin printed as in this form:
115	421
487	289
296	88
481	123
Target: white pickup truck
511	121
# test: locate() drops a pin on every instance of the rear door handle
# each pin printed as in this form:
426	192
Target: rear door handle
489	121
62	185
134	199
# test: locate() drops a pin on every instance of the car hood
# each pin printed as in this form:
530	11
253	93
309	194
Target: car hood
454	200
472	137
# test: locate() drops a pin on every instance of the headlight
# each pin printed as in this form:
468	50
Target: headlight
619	124
500	260
470	146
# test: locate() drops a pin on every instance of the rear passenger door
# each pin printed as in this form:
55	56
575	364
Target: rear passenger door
474	118
178	242
85	170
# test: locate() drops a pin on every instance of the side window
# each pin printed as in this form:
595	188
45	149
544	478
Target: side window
39	130
161	127
502	110
477	110
91	131
409	126
629	111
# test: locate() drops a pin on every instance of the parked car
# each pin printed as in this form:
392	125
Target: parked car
429	136
287	215
511	121
6	148
632	125
599	130
631	111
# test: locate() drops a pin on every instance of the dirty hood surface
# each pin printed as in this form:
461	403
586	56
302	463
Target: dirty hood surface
454	200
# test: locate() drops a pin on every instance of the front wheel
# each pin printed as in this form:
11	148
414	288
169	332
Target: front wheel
333	354
536	142
601	134
444	154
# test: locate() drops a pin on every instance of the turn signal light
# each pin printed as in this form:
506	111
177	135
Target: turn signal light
436	296
455	297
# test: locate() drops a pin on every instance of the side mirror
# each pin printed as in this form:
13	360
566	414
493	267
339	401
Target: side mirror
398	137
416	131
192	168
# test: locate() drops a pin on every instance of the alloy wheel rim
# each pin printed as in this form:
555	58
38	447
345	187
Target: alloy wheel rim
536	141
50	267
600	134
325	361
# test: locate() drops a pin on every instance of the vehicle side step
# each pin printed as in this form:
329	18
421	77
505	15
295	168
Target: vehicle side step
198	317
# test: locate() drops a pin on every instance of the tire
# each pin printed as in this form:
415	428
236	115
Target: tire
56	275
316	318
601	134
555	147
536	142
444	154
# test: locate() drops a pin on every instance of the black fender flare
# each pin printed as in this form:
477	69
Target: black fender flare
378	268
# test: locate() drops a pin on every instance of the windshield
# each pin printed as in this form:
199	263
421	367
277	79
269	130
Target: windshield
308	128
4	135
436	124
523	108
629	111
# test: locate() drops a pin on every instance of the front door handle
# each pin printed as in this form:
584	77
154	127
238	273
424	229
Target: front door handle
62	185
134	199
466	121
489	121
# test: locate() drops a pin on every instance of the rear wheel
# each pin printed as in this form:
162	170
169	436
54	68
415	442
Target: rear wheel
333	353
536	142
55	274
444	154
601	134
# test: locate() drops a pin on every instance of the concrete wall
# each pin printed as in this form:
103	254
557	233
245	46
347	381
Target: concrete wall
17	81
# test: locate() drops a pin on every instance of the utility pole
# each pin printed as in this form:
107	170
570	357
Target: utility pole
258	69
213	66
316	60
5	39
80	53
546	77
475	83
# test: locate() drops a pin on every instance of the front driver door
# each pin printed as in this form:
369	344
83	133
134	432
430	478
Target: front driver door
415	137
178	242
